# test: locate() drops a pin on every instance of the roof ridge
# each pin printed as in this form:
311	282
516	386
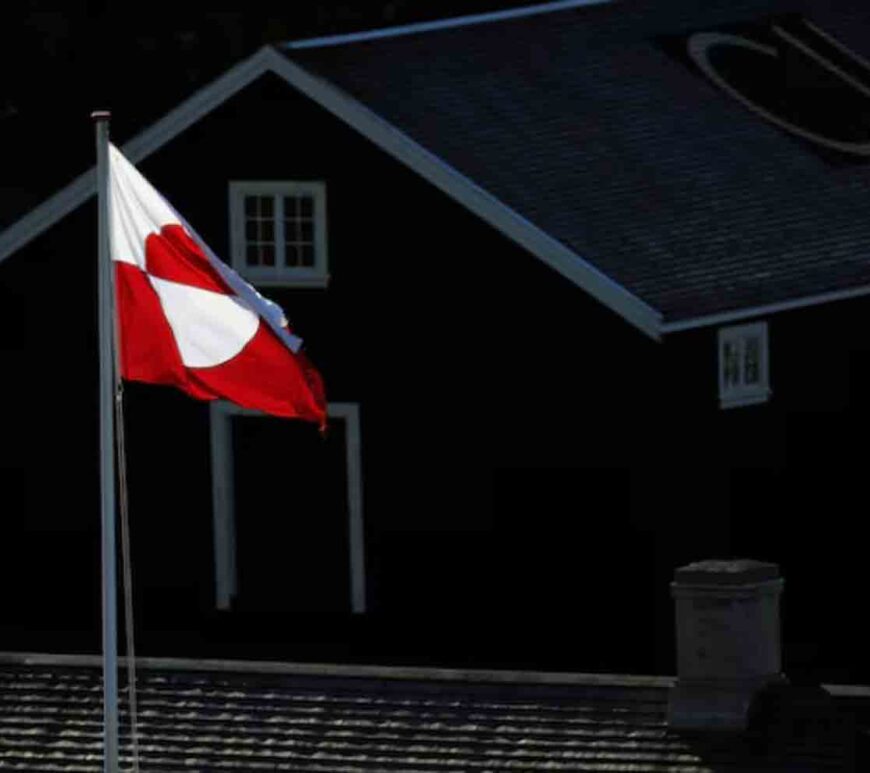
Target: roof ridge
399	673
438	24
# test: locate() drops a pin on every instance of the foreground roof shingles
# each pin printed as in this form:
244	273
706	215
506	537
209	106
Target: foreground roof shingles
581	122
51	720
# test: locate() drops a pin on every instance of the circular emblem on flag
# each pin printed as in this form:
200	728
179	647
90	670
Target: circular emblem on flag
209	327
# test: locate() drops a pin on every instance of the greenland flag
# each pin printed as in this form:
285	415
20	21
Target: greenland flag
187	319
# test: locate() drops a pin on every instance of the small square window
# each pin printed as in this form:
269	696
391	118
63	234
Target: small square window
278	232
743	365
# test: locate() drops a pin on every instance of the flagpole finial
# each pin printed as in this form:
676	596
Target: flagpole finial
101	115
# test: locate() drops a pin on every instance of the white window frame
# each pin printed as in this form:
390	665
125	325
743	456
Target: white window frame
733	396
223	500
279	274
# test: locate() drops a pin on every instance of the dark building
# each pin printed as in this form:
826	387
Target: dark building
588	291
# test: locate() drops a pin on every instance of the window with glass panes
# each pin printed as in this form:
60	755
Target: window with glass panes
298	214
260	230
278	230
743	365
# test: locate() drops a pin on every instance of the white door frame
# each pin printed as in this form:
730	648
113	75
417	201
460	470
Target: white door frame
223	500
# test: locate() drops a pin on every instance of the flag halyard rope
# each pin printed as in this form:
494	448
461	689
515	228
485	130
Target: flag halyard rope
127	570
124	513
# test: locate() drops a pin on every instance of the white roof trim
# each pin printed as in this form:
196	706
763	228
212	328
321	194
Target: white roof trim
173	123
726	317
383	134
472	196
439	24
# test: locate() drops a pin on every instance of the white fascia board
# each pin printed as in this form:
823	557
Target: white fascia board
439	24
46	214
388	138
727	317
470	195
198	105
171	125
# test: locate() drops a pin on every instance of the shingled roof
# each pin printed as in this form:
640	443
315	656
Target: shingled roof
579	121
212	715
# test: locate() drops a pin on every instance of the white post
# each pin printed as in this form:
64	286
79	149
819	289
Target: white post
107	452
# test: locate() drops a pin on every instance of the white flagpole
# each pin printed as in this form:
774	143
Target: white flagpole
107	453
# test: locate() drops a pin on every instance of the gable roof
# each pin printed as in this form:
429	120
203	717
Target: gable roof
568	129
224	715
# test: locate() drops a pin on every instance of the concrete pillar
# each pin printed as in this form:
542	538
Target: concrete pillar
728	641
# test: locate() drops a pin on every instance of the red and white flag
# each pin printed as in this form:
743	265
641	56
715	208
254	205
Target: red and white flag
187	319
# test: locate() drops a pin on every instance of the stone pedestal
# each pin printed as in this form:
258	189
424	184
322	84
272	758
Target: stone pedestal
728	641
